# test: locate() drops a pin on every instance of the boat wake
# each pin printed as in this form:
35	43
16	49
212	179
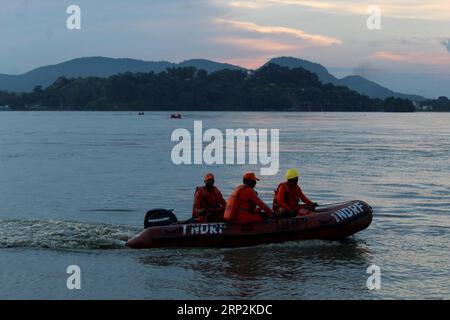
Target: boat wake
61	234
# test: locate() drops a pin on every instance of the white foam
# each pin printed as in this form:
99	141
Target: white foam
61	234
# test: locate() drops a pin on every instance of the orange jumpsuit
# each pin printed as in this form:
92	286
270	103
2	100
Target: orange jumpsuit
244	206
288	199
210	201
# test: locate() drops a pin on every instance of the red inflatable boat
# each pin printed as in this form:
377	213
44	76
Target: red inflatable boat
332	222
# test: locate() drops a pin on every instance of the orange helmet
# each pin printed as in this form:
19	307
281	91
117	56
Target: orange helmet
209	176
251	176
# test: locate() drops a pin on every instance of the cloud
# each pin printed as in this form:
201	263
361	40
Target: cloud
246	4
253	52
386	55
265	45
257	4
318	40
414	57
406	9
258	43
249	63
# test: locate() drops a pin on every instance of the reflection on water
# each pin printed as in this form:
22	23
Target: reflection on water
250	272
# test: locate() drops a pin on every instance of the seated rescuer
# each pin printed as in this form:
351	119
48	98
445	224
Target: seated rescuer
288	195
244	205
209	204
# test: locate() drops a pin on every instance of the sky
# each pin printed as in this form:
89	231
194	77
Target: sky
414	35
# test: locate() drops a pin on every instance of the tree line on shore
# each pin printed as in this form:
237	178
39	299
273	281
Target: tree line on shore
270	88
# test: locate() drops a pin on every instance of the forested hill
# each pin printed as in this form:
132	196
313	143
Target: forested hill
271	87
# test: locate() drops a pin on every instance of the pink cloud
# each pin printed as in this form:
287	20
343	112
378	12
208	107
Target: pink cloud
261	45
249	63
316	39
415	57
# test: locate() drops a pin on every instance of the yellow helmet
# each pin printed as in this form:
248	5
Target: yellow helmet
292	174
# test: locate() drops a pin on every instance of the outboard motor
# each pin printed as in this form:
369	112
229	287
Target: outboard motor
159	217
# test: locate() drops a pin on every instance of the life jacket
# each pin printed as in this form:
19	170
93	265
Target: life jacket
275	204
203	198
233	203
197	190
206	198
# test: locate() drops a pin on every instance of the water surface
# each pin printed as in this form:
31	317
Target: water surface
74	187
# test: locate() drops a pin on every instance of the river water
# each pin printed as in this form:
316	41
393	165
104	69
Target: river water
75	186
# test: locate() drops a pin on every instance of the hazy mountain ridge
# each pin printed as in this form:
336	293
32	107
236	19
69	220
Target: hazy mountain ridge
365	86
357	83
98	67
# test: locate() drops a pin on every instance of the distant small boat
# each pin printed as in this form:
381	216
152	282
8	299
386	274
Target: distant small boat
141	113
176	116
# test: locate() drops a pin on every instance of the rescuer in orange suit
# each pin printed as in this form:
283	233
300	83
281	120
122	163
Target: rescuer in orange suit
286	202
244	205
209	204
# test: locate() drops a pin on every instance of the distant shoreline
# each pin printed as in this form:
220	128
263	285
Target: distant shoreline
218	111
